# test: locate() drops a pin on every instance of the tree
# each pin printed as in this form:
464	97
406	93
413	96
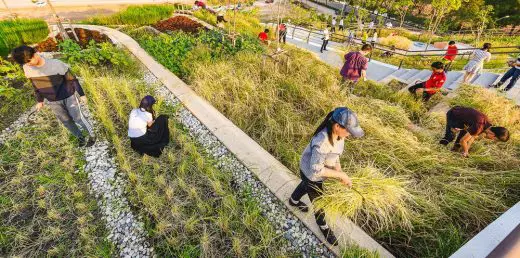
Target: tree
401	7
441	8
482	19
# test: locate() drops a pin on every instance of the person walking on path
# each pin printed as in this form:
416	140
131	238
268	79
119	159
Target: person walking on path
326	37
451	54
333	25
513	73
374	39
350	37
282	32
321	160
341	24
470	124
356	65
53	81
475	65
148	134
433	85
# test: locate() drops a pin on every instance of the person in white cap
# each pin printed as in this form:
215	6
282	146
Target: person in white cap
320	161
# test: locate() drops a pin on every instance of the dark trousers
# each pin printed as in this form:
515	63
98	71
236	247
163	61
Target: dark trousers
341	28
514	74
314	190
448	66
333	29
449	135
324	45
155	139
282	36
426	96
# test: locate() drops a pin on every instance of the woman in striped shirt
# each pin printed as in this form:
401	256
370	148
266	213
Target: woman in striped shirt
475	65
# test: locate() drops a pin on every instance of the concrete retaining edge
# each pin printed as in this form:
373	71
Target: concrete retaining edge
279	179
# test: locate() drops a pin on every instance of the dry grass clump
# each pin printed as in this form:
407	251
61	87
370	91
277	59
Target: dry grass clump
397	41
45	206
377	201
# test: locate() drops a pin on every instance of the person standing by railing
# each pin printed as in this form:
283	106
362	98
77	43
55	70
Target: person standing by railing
282	32
341	24
326	37
333	25
451	54
475	65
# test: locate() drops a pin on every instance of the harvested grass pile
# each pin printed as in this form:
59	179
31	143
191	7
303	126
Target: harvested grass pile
377	201
397	41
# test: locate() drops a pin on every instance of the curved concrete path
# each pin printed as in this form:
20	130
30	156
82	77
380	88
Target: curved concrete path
279	179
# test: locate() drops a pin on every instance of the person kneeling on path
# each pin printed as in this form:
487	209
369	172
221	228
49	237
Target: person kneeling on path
320	160
432	85
513	73
470	124
53	81
148	135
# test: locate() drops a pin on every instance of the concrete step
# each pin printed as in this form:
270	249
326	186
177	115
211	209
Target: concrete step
421	76
409	74
393	76
377	71
452	76
486	79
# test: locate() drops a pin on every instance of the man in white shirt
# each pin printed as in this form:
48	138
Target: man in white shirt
326	37
341	25
333	27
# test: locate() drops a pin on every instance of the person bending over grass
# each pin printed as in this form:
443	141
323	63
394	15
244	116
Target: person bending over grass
53	81
320	160
470	123
356	65
264	37
148	134
432	85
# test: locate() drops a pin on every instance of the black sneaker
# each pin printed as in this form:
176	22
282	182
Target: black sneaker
444	142
299	204
91	141
329	235
456	147
82	142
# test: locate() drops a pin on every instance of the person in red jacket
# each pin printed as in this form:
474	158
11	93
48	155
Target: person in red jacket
433	84
451	54
264	37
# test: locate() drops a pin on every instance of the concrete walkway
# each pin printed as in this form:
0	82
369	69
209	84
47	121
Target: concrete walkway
382	72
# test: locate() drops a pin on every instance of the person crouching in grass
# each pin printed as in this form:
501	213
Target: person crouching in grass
148	134
320	161
433	85
53	81
470	124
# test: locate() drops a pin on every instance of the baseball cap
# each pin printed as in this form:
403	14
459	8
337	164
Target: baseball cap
348	119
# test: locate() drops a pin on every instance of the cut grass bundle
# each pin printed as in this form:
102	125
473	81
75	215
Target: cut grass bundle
21	31
376	200
135	15
45	204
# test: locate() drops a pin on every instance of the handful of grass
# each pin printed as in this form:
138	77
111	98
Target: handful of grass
375	200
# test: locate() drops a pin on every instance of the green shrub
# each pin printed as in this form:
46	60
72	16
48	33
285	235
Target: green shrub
21	31
135	15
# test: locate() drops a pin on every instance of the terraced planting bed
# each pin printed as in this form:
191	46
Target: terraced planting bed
416	198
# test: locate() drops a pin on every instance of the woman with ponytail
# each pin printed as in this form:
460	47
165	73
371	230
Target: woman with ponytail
148	134
320	161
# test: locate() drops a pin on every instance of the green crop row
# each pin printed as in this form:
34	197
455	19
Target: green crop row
21	31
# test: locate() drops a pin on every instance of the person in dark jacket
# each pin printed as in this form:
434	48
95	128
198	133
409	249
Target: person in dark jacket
53	82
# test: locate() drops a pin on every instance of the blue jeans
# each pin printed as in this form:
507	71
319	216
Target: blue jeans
514	74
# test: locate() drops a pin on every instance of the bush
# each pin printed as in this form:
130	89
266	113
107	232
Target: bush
397	41
14	33
135	15
97	54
